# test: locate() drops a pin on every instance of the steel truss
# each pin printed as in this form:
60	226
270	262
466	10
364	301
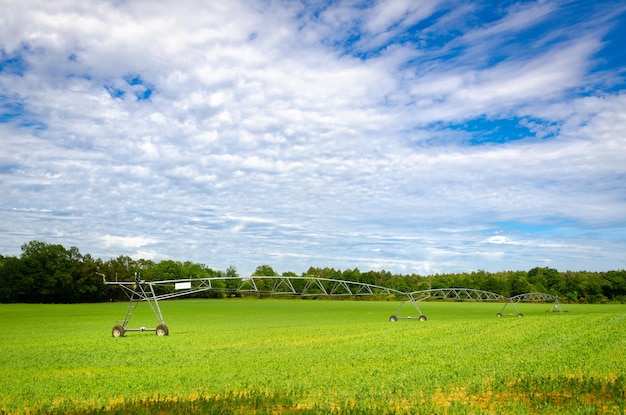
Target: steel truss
534	297
455	294
138	291
151	292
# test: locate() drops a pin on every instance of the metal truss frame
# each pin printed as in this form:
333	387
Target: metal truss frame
534	297
140	290
454	294
151	292
271	285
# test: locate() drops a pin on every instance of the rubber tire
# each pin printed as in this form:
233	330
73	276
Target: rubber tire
422	318
499	314
393	319
162	330
118	331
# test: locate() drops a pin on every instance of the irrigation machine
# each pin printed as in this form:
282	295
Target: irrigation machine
151	292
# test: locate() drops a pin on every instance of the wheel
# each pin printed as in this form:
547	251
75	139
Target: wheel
422	318
520	315
162	330
499	314
393	318
118	331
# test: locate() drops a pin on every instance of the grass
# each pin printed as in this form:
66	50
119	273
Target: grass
279	355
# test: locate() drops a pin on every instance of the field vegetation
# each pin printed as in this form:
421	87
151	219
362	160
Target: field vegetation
313	356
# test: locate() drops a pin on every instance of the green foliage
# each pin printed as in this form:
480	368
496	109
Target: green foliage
264	270
313	357
47	273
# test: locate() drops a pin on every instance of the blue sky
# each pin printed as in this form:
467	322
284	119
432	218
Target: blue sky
416	137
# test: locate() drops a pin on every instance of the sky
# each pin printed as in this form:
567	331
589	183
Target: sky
408	136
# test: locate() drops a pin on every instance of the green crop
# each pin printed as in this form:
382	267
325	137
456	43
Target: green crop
313	356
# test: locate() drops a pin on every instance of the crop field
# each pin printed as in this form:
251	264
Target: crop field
263	356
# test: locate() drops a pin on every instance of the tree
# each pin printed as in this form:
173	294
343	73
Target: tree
547	280
50	267
51	273
592	290
496	283
168	270
264	270
230	285
537	278
88	284
352	275
519	283
122	268
13	285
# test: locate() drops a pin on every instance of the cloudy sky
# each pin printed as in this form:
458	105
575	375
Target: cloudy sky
412	136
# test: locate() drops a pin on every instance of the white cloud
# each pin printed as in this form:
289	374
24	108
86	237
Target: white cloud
264	140
499	239
517	18
388	17
126	242
462	94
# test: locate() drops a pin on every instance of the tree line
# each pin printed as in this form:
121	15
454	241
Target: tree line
51	273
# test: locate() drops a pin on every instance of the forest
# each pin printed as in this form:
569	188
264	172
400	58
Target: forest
51	273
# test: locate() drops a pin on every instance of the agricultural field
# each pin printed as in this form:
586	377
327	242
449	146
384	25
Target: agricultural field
263	356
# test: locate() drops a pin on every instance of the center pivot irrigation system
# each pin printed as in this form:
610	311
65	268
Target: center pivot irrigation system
151	292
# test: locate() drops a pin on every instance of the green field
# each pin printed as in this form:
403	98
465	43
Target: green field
313	356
